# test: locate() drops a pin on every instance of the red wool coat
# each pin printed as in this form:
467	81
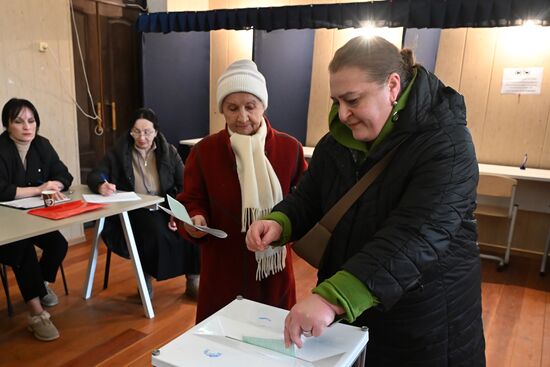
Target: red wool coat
211	188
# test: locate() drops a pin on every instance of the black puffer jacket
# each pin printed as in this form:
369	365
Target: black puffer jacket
411	238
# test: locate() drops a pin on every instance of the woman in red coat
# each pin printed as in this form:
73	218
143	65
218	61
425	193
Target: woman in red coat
232	178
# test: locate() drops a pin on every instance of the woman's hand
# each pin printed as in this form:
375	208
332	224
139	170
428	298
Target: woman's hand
261	233
172	225
106	189
51	185
198	220
309	317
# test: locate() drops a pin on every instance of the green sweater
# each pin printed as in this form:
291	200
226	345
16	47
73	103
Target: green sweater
343	288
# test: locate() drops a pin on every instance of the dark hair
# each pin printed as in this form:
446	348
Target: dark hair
377	57
144	113
13	107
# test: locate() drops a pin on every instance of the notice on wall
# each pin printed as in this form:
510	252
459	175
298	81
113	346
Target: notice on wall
521	80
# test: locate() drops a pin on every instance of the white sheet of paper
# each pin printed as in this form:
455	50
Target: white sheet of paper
29	203
115	198
178	210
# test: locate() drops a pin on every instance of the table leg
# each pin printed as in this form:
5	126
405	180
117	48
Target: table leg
132	249
92	262
545	255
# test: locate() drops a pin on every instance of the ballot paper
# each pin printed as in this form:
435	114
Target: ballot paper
114	198
178	210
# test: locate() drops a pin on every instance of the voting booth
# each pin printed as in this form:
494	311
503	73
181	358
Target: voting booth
247	333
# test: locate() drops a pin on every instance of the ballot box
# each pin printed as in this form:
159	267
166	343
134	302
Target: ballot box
246	333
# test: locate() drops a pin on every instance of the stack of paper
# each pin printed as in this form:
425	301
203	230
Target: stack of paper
115	198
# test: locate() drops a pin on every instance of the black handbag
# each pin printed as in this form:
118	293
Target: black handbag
311	247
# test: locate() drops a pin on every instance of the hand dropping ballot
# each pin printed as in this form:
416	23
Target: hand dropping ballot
177	210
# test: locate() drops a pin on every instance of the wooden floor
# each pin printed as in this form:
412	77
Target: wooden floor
110	329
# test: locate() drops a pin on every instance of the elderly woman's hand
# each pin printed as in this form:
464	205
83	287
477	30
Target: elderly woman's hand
106	189
309	317
172	225
261	233
198	220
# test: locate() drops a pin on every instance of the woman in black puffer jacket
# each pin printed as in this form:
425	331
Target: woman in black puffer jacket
403	260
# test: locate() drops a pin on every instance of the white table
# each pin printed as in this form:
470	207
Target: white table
18	225
207	344
533	192
530	174
533	185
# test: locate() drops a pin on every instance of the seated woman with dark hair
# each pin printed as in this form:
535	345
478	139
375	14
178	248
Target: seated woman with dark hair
143	161
28	165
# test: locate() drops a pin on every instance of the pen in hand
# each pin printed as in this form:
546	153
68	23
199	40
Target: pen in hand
106	188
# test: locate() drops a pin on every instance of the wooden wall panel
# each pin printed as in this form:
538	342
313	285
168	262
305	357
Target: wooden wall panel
516	124
319	95
505	126
475	77
530	231
448	66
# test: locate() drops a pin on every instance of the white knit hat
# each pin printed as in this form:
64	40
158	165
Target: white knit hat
241	76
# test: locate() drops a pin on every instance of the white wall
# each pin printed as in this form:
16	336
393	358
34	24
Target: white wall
44	78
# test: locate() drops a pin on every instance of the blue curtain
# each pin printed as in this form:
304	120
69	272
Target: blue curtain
288	77
395	13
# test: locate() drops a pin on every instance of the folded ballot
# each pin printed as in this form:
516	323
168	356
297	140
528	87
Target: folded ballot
177	210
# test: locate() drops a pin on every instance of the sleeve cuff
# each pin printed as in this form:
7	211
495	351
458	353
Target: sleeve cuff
284	222
346	290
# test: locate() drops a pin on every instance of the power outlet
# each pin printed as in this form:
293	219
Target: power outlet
43	46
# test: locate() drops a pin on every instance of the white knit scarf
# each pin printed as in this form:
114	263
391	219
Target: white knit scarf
260	191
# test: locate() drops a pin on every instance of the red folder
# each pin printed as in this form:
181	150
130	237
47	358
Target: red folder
65	210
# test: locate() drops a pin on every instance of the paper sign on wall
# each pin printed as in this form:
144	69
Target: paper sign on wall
521	80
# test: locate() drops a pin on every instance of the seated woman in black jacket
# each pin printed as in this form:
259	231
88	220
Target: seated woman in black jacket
144	162
28	165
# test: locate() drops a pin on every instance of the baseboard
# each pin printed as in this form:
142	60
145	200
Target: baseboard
516	251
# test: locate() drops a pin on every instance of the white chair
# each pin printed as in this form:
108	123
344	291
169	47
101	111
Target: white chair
496	197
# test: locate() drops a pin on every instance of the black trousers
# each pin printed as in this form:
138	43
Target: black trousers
162	252
29	272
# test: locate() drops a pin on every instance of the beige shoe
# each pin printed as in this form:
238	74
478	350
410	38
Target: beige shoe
42	327
50	299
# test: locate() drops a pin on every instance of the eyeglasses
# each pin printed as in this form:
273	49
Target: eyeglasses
137	133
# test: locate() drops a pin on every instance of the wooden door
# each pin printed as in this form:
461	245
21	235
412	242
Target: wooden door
106	38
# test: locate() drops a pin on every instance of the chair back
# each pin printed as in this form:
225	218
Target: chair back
497	190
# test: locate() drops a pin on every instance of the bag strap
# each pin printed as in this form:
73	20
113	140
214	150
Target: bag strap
333	216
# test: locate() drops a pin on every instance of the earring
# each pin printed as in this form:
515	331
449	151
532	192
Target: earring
394	115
